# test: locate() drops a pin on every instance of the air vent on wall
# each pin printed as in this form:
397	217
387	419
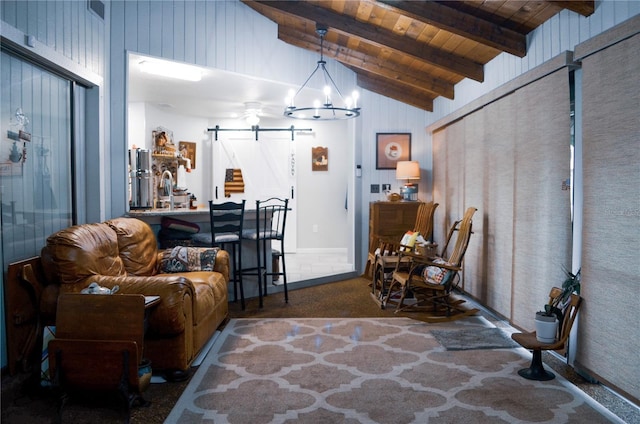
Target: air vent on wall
97	7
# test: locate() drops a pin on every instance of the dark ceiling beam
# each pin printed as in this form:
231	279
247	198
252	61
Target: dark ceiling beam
460	23
353	58
394	90
381	37
584	8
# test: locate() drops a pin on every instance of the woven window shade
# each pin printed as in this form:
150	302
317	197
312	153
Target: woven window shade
542	231
608	331
509	159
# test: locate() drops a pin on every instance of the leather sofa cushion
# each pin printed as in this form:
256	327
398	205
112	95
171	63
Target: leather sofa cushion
137	245
82	251
208	287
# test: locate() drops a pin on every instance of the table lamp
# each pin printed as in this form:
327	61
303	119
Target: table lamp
408	170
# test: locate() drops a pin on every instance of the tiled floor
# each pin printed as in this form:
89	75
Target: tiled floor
307	266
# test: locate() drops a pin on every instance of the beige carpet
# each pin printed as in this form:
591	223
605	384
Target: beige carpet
369	370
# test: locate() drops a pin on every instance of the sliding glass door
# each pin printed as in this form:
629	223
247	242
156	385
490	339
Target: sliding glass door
35	157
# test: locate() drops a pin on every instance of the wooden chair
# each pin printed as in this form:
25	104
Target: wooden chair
98	346
385	261
536	370
436	295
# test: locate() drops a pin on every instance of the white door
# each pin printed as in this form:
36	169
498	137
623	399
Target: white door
268	170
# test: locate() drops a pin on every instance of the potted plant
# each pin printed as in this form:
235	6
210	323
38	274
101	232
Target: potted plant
547	321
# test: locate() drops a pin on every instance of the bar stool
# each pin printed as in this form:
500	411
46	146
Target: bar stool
271	217
227	220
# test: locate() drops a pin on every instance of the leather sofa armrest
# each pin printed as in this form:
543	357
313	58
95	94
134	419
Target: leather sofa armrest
168	317
222	264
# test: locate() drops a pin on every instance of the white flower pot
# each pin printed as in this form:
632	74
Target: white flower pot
546	328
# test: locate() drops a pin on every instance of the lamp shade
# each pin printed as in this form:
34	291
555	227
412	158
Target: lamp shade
408	170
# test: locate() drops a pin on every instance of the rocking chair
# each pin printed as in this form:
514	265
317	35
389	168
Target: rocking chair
431	280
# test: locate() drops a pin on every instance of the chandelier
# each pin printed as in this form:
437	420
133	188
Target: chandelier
324	110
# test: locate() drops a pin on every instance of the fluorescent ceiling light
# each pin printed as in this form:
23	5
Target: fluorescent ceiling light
171	70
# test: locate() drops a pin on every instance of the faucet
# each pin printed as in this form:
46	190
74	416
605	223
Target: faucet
170	188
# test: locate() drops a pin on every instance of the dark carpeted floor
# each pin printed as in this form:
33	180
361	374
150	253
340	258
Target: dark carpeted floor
348	298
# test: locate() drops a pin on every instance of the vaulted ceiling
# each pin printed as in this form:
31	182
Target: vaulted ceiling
413	51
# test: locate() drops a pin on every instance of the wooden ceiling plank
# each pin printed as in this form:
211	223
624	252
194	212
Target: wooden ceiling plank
365	12
373	64
463	24
414	51
351	8
403	26
396	92
382	37
584	8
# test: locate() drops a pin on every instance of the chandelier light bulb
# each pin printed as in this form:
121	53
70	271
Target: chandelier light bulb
316	106
289	99
327	95
348	101
355	95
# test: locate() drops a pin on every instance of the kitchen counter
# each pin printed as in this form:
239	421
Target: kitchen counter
154	216
199	216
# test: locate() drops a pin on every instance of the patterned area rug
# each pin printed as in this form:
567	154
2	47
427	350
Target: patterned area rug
384	370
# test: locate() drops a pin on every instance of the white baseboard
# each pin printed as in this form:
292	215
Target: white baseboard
319	251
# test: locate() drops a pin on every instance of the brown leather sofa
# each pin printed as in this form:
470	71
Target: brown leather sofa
123	252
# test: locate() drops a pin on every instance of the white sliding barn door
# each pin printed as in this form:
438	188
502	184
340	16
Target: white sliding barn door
268	170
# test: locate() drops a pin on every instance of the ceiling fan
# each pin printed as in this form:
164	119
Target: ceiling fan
252	113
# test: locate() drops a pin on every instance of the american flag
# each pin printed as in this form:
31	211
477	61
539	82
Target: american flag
233	182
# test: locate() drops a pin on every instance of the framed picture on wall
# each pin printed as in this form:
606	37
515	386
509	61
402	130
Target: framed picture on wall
188	151
319	158
391	148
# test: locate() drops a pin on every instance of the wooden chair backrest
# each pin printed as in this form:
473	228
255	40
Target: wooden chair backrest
101	317
463	228
389	247
570	313
424	220
23	287
99	338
